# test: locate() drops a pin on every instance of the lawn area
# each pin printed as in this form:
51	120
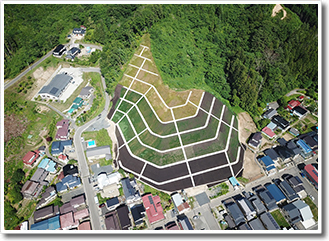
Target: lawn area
233	146
126	129
153	156
280	219
125	81
203	134
156	126
117	116
124	106
313	207
136	60
136	120
159	143
64	106
101	137
212	146
27	209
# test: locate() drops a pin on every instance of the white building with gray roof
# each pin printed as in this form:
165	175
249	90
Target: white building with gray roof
99	152
56	87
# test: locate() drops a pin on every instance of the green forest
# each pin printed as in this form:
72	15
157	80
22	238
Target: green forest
239	53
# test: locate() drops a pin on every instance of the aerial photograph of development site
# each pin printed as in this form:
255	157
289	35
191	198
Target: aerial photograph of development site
161	118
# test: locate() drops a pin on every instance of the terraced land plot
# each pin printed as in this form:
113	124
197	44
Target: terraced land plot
232	151
159	143
136	119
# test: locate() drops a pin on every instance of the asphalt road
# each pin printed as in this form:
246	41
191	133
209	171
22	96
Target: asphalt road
84	170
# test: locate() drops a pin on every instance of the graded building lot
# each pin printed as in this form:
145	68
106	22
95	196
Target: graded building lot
137	155
126	81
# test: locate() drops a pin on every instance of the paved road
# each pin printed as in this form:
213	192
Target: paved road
10	83
295	91
84	170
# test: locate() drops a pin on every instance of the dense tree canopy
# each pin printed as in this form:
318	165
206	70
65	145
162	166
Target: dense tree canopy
239	52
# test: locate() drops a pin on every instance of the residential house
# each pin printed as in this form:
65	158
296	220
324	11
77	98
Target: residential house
305	213
184	223
268	132
84	226
123	215
112	221
292	104
86	92
62	130
267	198
78	201
255	140
269	222
287	190
70	169
269	113
48	164
79	31
297	185
280	122
272	126
291	213
45	212
257	203
299	111
234	211
312	174
309	141
244	226
282	141
268	164
291	145
30	189
67	221
138	213
301	97
52	223
153	208
306	150
130	190
180	204
58	147
68	182
272	154
276	193
112	203
256	224
31	157
294	131
284	153
81	214
104	180
110	191
99	152
59	51
245	207
63	158
229	221
47	196
39	176
171	226
72	53
56	87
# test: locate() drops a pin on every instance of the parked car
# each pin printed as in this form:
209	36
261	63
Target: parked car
101	205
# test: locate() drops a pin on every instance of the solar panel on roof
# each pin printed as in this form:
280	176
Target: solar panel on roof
151	201
53	90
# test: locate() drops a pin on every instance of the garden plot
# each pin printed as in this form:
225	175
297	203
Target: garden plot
126	129
132	96
117	116
136	120
137	61
126	81
198	121
217	109
159	143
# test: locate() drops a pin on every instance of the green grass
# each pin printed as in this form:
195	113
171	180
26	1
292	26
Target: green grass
132	96
156	126
192	123
233	146
104	162
224	189
117	116
101	137
126	129
124	106
123	91
199	135
159	143
136	120
101	199
153	156
280	219
242	180
212	146
313	207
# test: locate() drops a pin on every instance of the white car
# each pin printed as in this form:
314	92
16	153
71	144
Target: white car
311	197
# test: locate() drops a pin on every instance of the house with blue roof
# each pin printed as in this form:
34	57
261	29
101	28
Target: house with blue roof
48	224
268	164
58	147
43	225
306	150
69	181
60	187
276	193
48	164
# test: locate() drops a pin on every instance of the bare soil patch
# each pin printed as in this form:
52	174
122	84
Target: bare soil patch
251	170
14	126
41	76
246	126
42	108
277	9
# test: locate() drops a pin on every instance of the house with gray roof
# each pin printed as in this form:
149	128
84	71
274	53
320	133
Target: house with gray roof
56	87
287	190
269	222
272	153
258	205
244	226
267	198
246	207
234	211
86	92
256	224
129	190
99	152
291	213
269	113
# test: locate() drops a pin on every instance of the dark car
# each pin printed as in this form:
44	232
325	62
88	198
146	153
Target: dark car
101	205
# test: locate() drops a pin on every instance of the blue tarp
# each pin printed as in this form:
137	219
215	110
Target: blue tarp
233	181
275	192
267	161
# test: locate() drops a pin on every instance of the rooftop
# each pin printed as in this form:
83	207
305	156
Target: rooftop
153	208
276	192
56	85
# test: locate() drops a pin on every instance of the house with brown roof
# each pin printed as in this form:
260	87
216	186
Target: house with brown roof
67	221
181	205
81	214
30	189
45	212
84	226
31	158
112	221
62	130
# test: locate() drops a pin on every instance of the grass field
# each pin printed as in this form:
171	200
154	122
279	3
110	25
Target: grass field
156	126
153	156
185	111
126	81
140	87
313	207
136	61
101	137
159	143
192	123
232	151
126	129
212	146
132	71
136	120
203	134
132	96
280	219
117	116
236	123
124	106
